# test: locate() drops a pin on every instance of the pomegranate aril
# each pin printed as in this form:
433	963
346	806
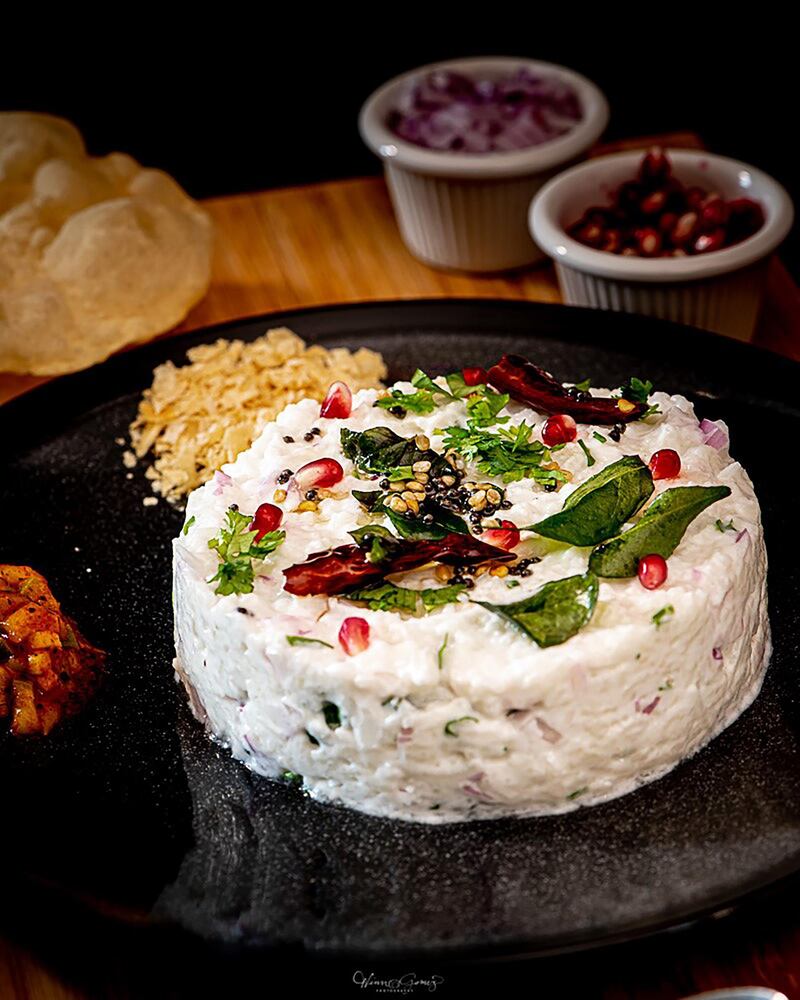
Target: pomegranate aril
665	464
322	473
695	196
474	376
338	403
505	537
706	242
653	203
684	228
266	518
652	571
612	242
667	222
714	212
559	429
354	635
655	167
648	241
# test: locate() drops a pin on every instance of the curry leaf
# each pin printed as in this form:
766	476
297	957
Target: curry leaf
555	612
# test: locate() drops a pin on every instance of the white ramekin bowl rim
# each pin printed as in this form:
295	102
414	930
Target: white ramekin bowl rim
548	230
439	163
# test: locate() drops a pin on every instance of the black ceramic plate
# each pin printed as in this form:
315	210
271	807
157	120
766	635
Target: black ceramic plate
132	808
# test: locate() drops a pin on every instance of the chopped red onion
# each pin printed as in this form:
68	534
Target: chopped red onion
713	434
716	652
744	535
222	479
454	113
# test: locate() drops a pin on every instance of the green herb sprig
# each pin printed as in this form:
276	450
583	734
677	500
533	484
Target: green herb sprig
508	452
239	553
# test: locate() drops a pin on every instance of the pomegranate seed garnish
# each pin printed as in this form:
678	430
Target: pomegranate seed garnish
474	376
655	166
653	203
707	242
714	212
665	464
652	571
648	241
338	403
667	222
354	635
684	228
695	196
266	518
324	472
505	537
559	429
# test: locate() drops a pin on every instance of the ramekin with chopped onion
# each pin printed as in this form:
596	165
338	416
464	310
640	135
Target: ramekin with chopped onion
465	146
660	259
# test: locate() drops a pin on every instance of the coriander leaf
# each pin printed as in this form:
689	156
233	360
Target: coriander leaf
584	386
238	551
506	451
590	459
659	530
421	402
723	527
600	506
332	714
555	613
511	584
420	380
293	777
449	728
599	437
577	793
188	525
302	640
458	387
437	597
483	407
440	653
636	390
663	615
389	597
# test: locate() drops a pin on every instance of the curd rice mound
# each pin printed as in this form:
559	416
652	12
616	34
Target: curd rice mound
488	646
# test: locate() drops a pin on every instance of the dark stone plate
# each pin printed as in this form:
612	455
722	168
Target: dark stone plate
131	808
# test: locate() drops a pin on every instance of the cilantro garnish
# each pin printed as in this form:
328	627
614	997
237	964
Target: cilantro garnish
440	653
293	777
584	386
636	390
302	640
188	525
507	451
421	402
663	615
389	597
512	583
450	731
723	526
577	793
590	459
238	552
599	437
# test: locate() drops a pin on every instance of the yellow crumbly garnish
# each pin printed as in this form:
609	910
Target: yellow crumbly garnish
195	418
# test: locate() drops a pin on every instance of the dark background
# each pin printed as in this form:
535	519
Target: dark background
247	103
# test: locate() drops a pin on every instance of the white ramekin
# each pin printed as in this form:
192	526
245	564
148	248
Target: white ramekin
468	211
719	291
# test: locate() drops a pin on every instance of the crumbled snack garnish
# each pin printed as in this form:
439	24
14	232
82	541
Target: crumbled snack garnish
198	417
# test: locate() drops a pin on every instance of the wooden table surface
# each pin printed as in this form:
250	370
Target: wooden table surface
337	242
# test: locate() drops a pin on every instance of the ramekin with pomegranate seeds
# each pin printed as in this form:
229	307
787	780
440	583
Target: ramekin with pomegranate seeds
718	290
